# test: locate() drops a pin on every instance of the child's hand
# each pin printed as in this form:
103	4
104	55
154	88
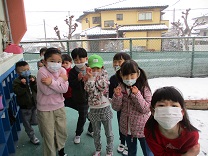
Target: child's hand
32	79
134	90
89	72
23	81
65	77
194	151
85	78
80	76
47	81
117	90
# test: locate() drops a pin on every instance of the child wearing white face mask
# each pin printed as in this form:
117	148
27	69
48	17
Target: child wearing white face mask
97	86
133	97
168	131
79	98
51	84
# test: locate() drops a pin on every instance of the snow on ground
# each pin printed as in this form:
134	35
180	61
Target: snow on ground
192	89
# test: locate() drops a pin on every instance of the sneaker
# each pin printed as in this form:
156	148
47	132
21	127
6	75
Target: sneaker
90	133
109	154
77	139
97	153
35	140
120	148
125	151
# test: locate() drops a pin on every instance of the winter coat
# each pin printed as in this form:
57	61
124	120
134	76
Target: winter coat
135	111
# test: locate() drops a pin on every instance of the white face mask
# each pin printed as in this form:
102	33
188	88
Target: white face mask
53	67
80	65
95	74
168	117
117	68
129	82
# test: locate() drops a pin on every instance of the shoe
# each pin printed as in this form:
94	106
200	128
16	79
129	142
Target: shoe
125	151
77	139
35	140
109	154
97	153
120	148
90	133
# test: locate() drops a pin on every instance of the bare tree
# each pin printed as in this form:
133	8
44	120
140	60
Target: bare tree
181	31
71	28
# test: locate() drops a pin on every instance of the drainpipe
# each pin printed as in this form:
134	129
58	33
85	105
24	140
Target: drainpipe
7	19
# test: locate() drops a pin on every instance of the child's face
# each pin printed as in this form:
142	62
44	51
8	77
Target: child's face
56	58
66	64
40	64
96	69
130	76
22	69
167	103
79	60
118	62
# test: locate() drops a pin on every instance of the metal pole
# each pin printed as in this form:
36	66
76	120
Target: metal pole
44	30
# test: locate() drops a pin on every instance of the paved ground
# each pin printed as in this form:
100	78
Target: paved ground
85	148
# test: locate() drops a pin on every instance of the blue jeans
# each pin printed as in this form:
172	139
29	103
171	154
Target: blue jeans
132	146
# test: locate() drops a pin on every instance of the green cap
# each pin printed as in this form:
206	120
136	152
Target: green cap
95	61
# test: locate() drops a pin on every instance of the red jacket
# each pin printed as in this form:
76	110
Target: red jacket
162	146
68	94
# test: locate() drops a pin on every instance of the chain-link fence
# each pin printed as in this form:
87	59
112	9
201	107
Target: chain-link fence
159	57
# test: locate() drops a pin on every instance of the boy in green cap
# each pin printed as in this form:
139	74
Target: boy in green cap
97	85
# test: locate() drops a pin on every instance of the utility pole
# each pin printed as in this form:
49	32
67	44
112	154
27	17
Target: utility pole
44	30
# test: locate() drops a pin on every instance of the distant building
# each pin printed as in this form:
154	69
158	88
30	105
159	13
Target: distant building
126	19
202	30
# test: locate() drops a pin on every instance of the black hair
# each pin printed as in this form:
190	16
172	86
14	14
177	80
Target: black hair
121	55
50	51
42	50
80	52
173	94
129	67
66	57
20	64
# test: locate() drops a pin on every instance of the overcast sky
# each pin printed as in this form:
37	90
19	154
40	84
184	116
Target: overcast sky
54	12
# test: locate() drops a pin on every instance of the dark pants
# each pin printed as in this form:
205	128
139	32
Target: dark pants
132	146
83	111
121	136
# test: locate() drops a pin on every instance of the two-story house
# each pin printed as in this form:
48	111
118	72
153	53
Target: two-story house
125	19
202	30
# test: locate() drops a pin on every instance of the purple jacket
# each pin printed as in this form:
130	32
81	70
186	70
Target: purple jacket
135	110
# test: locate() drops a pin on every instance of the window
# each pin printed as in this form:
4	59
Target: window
119	17
205	34
96	20
109	23
145	16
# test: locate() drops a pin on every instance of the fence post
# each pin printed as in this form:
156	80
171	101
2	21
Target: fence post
67	45
192	57
130	48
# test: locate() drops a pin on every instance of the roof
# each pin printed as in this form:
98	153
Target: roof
126	5
144	27
201	27
132	4
99	31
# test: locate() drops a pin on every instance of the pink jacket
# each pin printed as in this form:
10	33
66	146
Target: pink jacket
135	110
50	97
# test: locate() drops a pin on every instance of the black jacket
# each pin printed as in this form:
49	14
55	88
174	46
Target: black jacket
79	95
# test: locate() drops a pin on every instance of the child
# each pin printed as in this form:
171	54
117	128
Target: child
25	88
52	83
168	131
132	97
66	63
42	52
100	112
118	59
78	101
